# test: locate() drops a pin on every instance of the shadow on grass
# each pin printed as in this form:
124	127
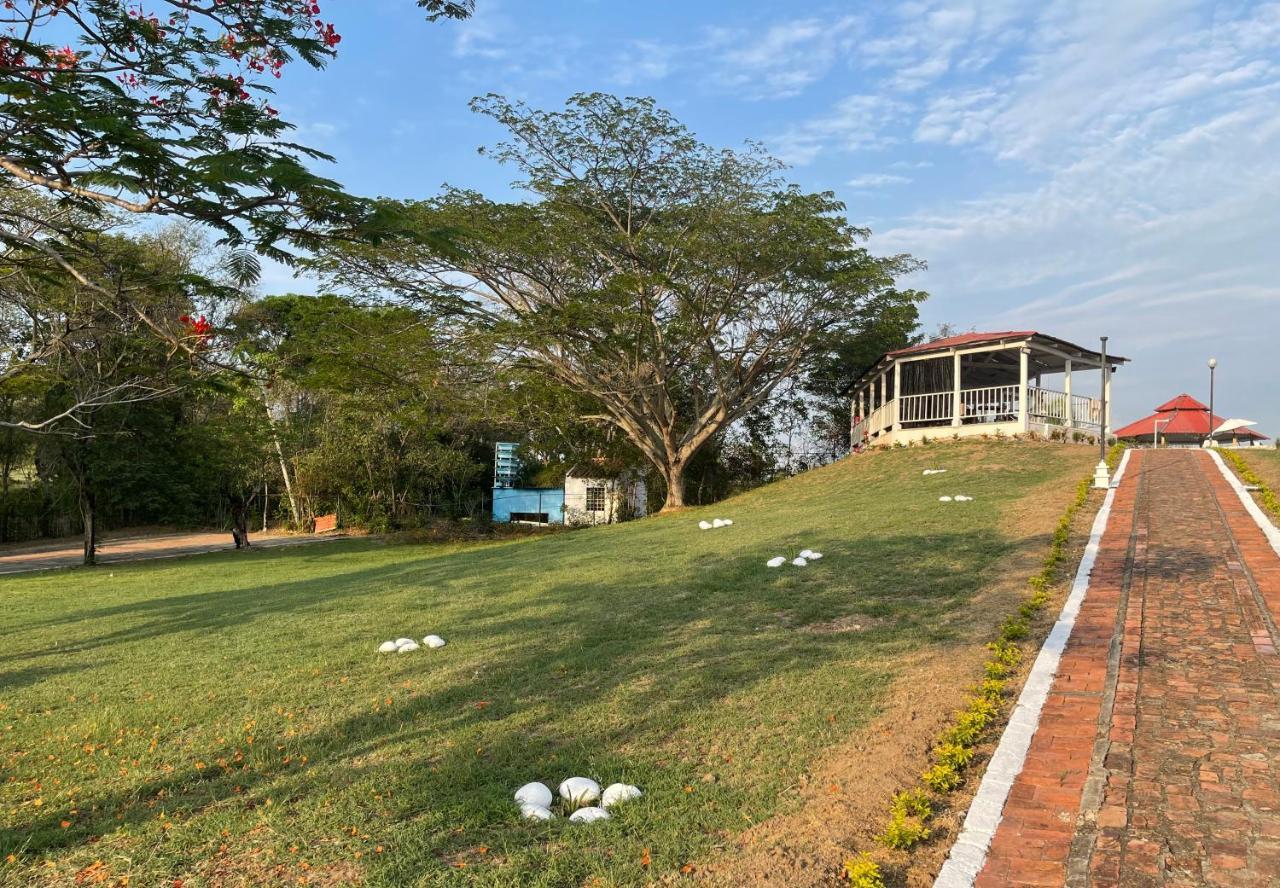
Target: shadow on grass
729	627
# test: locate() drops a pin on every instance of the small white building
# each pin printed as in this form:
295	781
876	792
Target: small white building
594	494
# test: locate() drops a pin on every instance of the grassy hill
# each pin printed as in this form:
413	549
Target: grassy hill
226	720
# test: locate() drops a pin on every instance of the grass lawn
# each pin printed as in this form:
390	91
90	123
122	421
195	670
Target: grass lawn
1265	462
226	720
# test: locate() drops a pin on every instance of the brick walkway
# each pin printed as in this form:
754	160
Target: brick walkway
1157	758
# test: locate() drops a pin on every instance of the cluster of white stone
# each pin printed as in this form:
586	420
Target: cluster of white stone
933	471
712	525
406	645
579	795
800	560
958	498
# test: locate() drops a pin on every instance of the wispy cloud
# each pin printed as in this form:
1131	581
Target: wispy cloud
785	58
877	180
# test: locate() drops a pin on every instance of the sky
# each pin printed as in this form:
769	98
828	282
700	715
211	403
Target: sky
1081	169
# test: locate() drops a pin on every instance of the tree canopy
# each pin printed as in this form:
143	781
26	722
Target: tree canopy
674	284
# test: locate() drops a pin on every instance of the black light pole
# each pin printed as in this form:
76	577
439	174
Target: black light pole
1102	438
1213	365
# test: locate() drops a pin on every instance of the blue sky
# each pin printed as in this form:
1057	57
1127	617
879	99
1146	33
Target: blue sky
1077	168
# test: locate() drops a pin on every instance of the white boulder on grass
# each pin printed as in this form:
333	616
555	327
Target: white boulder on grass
434	641
589	815
407	648
387	647
814	556
705	525
536	794
400	641
536	812
579	791
777	561
960	498
944	499
806	553
933	471
718	522
799	562
617	793
727	521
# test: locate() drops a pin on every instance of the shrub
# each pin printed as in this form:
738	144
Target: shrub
863	872
907	816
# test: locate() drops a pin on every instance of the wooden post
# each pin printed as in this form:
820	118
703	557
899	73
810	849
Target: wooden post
1066	384
956	399
1022	387
897	396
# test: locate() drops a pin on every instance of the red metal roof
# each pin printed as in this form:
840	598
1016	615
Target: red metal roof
1182	402
1183	415
962	339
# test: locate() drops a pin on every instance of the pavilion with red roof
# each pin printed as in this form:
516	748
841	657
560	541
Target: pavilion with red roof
982	384
1184	421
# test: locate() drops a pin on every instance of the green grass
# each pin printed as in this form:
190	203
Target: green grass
226	720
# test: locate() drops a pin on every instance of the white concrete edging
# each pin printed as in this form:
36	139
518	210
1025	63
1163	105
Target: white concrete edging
1269	530
969	852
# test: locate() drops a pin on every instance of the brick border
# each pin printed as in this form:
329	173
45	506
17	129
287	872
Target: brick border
969	853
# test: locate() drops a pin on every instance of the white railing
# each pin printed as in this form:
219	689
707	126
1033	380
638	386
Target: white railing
996	403
980	406
927	409
1086	411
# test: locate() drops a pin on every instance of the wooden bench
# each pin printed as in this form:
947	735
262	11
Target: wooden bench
326	523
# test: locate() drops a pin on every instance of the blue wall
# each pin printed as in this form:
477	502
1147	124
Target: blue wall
528	499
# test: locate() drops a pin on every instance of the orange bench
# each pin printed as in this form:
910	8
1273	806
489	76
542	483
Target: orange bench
326	523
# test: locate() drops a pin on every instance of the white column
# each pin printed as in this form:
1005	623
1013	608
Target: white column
1022	387
956	401
882	416
1066	384
897	395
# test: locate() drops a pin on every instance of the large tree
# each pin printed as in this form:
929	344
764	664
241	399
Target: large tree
673	283
143	109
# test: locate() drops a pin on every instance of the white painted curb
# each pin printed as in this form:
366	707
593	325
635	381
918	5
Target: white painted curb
1269	530
969	852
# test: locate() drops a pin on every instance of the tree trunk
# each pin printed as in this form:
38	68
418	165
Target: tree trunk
674	475
88	514
240	521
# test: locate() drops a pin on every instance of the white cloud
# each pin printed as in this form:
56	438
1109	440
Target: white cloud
784	59
856	122
877	180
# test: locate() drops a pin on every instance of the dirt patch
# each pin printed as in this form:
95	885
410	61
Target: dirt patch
841	807
850	623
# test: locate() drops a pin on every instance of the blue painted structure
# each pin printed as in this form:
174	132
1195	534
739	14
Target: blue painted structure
529	501
540	504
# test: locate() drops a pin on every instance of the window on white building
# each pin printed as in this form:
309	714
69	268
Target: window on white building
595	499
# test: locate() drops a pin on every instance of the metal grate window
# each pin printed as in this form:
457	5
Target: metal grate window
595	499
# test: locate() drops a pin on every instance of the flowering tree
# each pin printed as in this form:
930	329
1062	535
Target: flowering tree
136	108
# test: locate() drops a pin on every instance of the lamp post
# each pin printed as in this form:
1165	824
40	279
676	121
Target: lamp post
1101	477
1213	365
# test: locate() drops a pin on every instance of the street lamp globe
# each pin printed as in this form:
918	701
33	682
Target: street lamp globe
1213	362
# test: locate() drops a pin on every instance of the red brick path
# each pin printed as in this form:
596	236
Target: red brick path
1157	757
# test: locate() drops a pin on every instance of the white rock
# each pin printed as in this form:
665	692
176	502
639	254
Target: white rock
799	562
400	641
814	556
944	499
434	641
406	648
933	471
617	793
718	522
728	521
536	812
806	553
589	815
705	525
579	790
777	561
536	794
387	647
